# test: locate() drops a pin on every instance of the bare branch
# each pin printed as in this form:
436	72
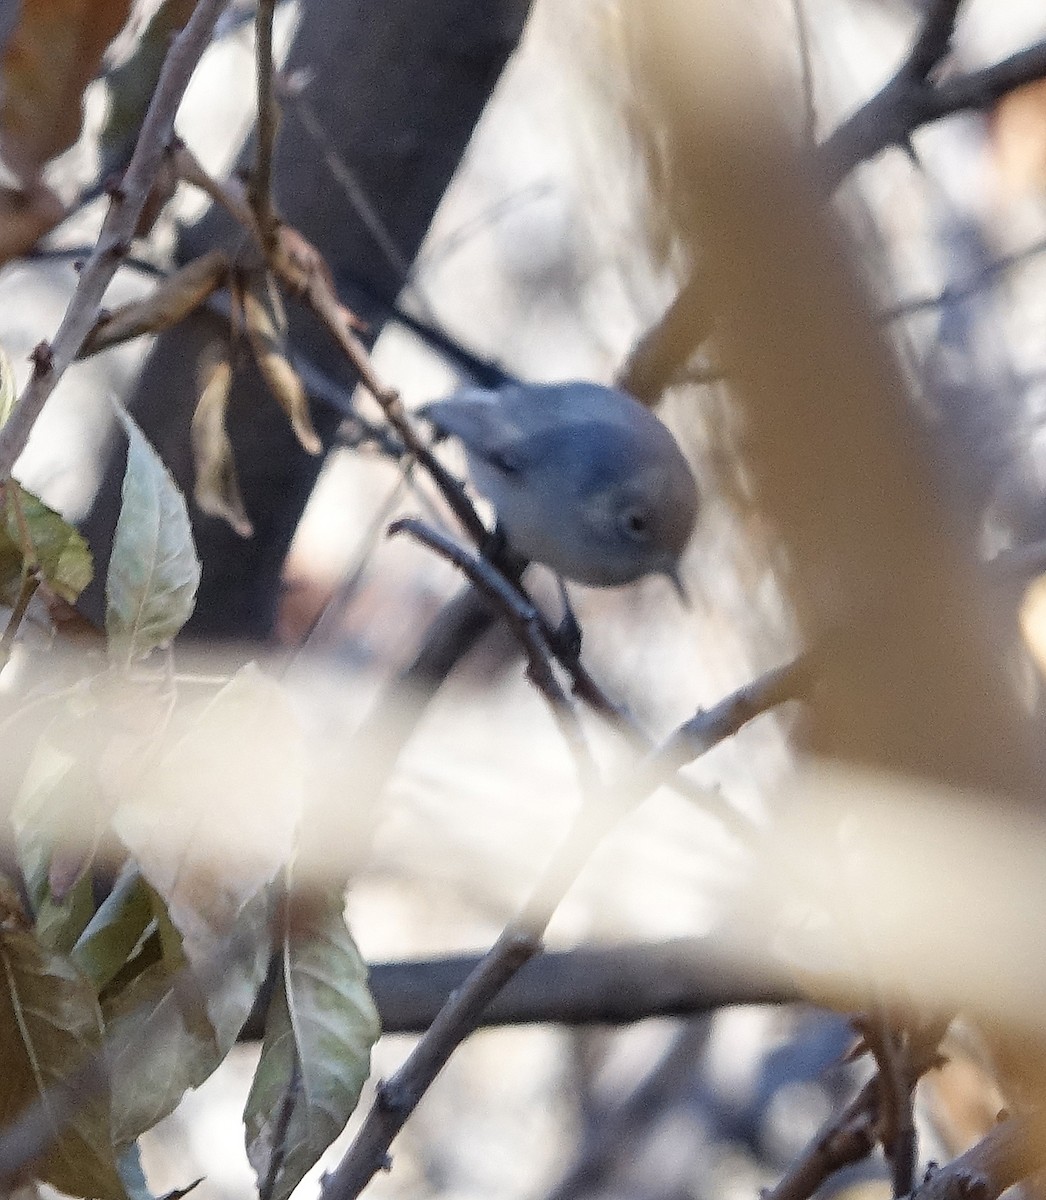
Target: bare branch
268	122
117	230
526	624
521	939
1015	1149
934	38
909	100
975	283
852	1134
589	985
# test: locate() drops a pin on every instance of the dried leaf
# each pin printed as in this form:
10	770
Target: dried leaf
154	571
53	53
171	301
217	490
35	537
315	1058
25	216
49	1024
266	324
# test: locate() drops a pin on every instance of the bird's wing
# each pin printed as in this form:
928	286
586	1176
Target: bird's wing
480	423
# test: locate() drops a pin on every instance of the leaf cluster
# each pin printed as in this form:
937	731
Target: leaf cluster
113	1004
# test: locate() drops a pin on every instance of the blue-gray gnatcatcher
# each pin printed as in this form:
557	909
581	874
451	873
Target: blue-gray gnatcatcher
583	478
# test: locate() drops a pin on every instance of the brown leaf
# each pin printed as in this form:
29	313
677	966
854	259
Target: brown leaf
51	56
169	302
25	216
217	490
1018	137
266	325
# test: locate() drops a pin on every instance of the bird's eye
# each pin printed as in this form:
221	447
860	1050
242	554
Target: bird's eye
636	525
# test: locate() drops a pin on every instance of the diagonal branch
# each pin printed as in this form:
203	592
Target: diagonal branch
934	38
125	207
910	100
521	940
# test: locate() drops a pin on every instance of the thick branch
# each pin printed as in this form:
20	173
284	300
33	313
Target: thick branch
590	985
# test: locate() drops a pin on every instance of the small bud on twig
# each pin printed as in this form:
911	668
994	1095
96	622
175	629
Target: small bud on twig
42	358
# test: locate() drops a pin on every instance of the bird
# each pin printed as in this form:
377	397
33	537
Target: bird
582	477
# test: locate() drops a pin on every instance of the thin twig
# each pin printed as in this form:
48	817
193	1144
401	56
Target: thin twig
1014	1150
851	1135
521	940
126	204
896	1119
344	176
977	282
268	122
525	622
909	100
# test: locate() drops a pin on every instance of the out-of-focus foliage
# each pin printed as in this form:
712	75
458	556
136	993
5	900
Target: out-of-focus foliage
51	56
131	84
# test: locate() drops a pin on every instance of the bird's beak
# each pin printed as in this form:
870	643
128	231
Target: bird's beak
677	583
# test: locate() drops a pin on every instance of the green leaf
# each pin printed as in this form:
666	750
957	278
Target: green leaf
315	1058
163	1044
35	536
210	825
50	1025
154	571
60	921
116	931
181	1024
